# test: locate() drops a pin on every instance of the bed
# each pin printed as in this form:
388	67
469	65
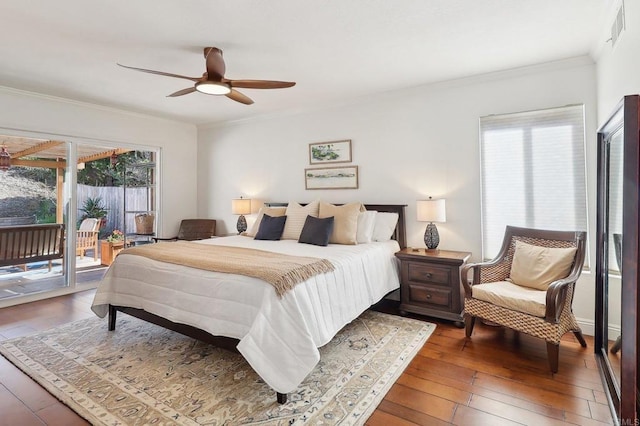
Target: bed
278	335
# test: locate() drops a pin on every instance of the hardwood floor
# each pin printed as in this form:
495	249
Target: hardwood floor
496	378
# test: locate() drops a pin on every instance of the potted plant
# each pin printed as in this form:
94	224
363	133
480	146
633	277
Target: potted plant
111	246
94	208
116	236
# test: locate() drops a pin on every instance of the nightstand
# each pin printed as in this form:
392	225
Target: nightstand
430	283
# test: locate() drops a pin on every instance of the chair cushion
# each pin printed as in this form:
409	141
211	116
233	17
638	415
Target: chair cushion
512	296
537	267
345	225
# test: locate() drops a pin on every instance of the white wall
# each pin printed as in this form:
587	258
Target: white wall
408	144
25	113
618	74
618	67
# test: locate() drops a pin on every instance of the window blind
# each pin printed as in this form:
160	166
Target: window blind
533	169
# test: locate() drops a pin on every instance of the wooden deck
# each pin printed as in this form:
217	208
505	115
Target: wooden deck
496	378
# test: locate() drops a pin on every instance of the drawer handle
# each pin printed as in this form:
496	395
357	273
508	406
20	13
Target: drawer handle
428	275
428	296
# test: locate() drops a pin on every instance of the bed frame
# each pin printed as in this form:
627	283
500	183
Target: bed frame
400	235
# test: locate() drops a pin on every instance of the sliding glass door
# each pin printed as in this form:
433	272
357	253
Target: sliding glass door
34	195
104	194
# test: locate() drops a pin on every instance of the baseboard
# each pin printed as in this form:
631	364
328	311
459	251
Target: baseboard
588	327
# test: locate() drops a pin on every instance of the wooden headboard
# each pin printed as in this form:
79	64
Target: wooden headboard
399	234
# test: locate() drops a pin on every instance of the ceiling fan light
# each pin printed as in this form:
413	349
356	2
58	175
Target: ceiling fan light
213	88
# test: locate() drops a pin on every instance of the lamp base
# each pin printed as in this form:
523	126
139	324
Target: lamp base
431	236
242	224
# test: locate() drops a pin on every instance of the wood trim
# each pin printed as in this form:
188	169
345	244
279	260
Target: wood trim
227	343
34	150
101	155
630	259
45	164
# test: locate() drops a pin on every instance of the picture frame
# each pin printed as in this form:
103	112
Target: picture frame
330	152
345	177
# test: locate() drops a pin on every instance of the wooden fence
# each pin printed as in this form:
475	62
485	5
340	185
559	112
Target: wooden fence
113	200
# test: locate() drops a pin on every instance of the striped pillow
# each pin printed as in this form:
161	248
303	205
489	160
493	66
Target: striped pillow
296	216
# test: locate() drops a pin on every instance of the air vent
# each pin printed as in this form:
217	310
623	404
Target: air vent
618	25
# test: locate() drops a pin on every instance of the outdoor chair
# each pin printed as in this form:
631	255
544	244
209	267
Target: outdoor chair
87	237
193	229
529	286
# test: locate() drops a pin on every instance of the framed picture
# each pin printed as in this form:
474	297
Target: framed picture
330	152
331	178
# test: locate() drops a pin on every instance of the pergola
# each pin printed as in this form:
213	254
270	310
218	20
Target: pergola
52	154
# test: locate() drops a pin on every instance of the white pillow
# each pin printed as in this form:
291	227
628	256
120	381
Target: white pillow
271	211
384	226
296	216
366	223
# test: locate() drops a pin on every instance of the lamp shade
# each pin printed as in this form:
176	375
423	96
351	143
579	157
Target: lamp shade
431	210
241	206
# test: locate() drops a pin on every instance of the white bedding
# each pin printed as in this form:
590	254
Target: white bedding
279	337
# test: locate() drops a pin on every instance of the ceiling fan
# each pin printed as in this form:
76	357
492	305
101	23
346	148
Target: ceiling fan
213	82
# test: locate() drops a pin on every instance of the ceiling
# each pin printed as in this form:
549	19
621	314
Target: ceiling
335	50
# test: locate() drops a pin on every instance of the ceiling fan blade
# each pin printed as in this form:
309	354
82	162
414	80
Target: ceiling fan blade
260	84
215	63
239	97
182	92
166	74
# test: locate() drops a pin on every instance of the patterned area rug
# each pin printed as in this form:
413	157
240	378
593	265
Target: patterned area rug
142	374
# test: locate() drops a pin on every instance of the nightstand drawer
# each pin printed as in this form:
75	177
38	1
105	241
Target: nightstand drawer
421	273
430	283
433	296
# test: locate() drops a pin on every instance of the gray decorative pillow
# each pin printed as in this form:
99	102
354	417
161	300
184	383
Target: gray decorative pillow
270	228
316	231
271	211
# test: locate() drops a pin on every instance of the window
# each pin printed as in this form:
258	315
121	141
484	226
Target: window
533	172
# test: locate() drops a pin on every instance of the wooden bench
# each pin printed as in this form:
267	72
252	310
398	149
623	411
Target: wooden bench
17	221
31	243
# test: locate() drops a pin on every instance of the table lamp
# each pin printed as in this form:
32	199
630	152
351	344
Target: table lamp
241	206
431	211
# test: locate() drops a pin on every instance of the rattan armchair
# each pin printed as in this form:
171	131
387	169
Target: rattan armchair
193	229
558	317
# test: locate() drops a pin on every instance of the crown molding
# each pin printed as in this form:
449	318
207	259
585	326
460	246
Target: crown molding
89	105
568	63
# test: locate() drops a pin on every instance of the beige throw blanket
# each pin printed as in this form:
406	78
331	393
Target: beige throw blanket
280	270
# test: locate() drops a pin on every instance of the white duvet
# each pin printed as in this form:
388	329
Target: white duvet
279	337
